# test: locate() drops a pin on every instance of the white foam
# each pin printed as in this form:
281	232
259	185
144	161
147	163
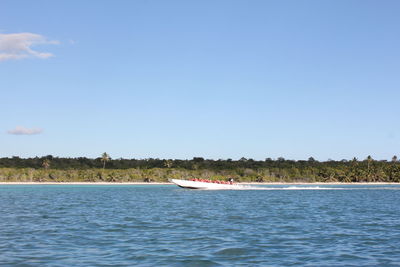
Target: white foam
316	188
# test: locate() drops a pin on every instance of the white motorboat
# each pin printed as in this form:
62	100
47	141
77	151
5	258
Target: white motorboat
196	184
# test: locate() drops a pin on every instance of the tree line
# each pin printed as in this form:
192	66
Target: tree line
104	168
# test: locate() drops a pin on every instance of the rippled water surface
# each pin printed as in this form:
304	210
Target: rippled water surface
95	225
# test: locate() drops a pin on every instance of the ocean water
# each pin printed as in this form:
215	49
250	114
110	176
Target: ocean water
132	225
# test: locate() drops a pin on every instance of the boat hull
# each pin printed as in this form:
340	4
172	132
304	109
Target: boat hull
204	185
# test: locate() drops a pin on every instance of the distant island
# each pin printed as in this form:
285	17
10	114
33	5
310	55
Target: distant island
105	169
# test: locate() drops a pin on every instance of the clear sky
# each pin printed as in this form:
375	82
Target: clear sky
215	79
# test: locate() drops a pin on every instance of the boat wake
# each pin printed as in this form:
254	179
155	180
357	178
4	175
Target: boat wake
209	185
314	188
292	188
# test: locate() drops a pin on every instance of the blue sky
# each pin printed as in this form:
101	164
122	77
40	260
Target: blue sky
216	79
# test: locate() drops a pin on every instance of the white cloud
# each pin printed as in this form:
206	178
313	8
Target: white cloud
18	46
20	130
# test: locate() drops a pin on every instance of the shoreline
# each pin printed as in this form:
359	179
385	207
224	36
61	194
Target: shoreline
166	183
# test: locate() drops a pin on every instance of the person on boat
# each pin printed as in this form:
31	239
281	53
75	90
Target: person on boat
230	180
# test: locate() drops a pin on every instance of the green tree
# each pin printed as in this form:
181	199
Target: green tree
311	159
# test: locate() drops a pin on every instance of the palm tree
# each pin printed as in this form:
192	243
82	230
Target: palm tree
168	163
369	160
46	163
104	158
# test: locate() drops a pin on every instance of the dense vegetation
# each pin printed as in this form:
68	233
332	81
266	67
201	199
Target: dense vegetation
55	169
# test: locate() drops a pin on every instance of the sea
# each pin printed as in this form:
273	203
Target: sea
164	225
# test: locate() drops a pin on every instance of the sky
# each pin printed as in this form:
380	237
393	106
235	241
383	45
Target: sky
214	79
